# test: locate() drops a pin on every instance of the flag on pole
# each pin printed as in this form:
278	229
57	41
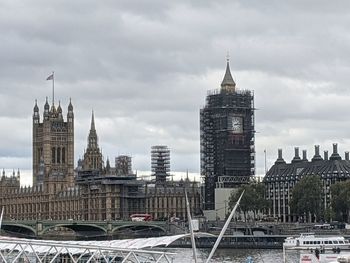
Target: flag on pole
50	77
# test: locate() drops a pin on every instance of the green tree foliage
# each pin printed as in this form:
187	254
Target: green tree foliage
329	214
252	200
307	197
340	193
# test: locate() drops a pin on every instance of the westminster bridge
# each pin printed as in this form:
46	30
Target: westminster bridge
83	229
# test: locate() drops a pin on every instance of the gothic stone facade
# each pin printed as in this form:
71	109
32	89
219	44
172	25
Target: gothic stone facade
167	200
95	191
96	195
53	147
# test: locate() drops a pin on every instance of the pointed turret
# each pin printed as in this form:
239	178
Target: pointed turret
46	110
59	110
36	108
36	117
92	127
108	166
46	106
53	109
70	114
93	156
70	106
228	83
92	139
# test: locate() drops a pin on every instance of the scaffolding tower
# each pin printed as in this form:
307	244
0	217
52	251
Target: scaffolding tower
123	165
227	141
160	155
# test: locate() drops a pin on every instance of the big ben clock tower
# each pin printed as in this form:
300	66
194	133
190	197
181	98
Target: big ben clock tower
227	138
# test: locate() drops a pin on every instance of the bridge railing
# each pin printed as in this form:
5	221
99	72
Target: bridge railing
14	250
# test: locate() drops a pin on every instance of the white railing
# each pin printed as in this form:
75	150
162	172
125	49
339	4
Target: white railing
16	250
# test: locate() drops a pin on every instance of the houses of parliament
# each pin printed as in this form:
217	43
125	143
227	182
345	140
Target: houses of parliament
94	190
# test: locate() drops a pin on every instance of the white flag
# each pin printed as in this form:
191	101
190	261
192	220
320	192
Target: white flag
50	77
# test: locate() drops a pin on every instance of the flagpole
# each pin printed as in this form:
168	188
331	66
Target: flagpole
53	88
265	161
193	242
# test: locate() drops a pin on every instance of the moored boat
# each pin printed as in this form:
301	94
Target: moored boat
311	241
343	257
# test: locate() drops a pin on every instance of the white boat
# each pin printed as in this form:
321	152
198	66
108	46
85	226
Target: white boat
310	241
343	257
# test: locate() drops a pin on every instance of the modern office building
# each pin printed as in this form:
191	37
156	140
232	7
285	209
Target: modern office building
226	139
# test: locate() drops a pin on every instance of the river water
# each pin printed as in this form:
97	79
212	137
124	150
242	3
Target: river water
184	255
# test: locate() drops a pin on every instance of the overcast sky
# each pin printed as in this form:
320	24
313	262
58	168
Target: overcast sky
145	67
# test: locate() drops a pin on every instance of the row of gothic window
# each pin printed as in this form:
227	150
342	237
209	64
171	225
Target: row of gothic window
58	155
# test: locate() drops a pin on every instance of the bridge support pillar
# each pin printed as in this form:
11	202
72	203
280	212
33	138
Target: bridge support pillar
109	228
39	228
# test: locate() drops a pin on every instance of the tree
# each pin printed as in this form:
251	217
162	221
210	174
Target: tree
307	197
329	214
340	193
252	200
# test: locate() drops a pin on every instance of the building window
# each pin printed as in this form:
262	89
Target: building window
58	155
63	155
53	154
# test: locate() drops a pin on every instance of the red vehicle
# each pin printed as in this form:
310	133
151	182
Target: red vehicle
140	217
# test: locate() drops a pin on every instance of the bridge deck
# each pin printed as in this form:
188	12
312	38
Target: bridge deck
14	249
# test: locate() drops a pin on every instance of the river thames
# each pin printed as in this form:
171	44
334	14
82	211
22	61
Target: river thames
235	255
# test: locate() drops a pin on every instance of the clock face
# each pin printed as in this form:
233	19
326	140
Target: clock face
236	124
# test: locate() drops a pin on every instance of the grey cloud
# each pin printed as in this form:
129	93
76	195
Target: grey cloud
145	67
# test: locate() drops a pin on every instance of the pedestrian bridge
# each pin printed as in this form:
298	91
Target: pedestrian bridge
49	251
38	228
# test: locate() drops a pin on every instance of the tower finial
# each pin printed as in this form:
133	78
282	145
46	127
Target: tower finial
92	121
228	82
228	56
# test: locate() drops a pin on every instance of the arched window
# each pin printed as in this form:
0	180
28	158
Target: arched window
58	155
63	155
53	154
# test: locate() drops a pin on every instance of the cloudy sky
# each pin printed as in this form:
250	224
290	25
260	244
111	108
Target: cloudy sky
145	67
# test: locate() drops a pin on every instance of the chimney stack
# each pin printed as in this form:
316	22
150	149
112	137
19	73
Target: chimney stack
335	148
335	155
317	156
347	156
325	155
280	159
296	155
305	156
